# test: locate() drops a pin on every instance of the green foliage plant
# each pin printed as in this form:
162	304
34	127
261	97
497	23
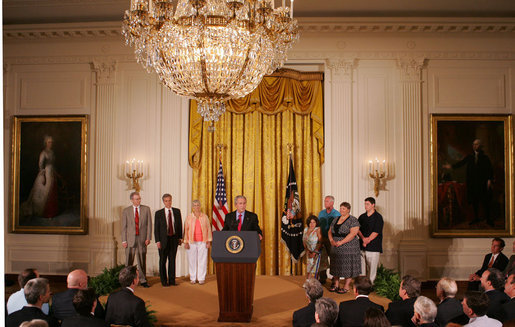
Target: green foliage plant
387	283
107	281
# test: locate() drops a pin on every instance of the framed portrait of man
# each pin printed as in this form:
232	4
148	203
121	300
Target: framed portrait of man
472	175
49	174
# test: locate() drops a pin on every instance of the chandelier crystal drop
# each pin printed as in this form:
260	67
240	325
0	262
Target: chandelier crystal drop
211	50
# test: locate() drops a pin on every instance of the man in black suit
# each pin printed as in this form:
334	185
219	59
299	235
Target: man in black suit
168	234
37	292
508	309
352	313
424	312
400	312
62	303
84	303
305	317
495	259
123	307
242	219
492	281
449	309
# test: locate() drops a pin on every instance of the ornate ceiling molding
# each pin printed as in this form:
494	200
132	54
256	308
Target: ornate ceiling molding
62	31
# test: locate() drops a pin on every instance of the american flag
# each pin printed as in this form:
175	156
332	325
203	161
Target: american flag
220	204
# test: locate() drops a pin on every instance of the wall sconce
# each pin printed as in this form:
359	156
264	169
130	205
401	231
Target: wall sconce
134	171
377	171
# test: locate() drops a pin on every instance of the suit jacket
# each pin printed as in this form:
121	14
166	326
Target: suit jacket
352	313
250	222
62	305
400	312
82	321
500	263
447	310
27	314
510	267
497	299
304	317
129	225
125	308
508	310
160	229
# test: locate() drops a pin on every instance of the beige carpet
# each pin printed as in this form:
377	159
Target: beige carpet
275	299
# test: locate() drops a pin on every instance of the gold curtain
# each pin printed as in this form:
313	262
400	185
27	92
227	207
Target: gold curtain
255	131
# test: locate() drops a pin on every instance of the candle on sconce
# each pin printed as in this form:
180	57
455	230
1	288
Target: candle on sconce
126	167
149	6
370	166
384	166
291	8
140	169
272	3
376	165
284	3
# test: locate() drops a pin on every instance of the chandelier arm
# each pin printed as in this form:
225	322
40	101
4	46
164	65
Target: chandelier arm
203	58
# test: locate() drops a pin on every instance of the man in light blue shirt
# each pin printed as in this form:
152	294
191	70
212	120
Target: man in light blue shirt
17	300
325	218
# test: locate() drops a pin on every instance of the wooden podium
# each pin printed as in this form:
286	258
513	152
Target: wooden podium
235	255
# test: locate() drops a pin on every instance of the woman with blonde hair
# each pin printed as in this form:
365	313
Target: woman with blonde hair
197	241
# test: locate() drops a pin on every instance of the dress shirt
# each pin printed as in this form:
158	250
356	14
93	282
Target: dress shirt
494	256
130	289
17	301
483	321
242	216
167	211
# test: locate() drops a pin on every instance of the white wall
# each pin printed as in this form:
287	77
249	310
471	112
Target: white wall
368	76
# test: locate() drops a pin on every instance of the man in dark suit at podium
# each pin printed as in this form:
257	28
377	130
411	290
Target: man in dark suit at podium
241	219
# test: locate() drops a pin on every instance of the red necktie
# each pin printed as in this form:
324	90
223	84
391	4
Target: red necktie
239	222
170	225
491	263
136	220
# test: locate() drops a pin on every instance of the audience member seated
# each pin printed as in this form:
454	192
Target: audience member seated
375	318
492	281
352	313
123	307
326	312
37	292
400	312
450	308
34	323
510	267
17	300
495	259
508	309
306	316
84	302
475	305
62	303
424	312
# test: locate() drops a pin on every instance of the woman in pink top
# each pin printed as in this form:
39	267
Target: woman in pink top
197	241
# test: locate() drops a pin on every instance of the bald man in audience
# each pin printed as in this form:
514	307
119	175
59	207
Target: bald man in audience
62	303
449	309
508	308
492	281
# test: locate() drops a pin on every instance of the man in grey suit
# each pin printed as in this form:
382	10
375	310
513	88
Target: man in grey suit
136	234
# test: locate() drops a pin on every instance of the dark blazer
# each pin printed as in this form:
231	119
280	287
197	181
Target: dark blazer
62	305
125	308
250	222
352	313
304	317
500	263
510	267
497	299
27	314
447	310
508	310
82	321
160	229
400	312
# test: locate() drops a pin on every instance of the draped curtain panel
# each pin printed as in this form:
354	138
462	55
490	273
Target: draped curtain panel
286	108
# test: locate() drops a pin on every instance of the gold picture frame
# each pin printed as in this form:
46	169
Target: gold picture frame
49	174
471	175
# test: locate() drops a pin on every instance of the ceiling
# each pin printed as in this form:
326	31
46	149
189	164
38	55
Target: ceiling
64	11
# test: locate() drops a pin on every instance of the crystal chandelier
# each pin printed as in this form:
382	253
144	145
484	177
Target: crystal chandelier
211	50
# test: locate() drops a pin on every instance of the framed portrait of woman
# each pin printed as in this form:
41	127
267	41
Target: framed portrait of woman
49	174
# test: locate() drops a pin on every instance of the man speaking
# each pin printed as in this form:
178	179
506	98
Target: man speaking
241	219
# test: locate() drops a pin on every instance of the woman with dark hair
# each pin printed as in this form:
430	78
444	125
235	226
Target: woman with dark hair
312	242
345	253
375	318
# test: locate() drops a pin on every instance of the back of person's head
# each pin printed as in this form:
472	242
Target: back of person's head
426	308
411	285
363	285
375	318
35	288
26	275
313	288
35	323
83	301
127	276
477	302
77	278
495	277
447	286
327	311
453	324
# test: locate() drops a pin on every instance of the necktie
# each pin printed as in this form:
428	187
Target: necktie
491	263
170	225
136	220
239	222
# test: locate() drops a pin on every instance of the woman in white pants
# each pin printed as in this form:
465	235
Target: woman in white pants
197	241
